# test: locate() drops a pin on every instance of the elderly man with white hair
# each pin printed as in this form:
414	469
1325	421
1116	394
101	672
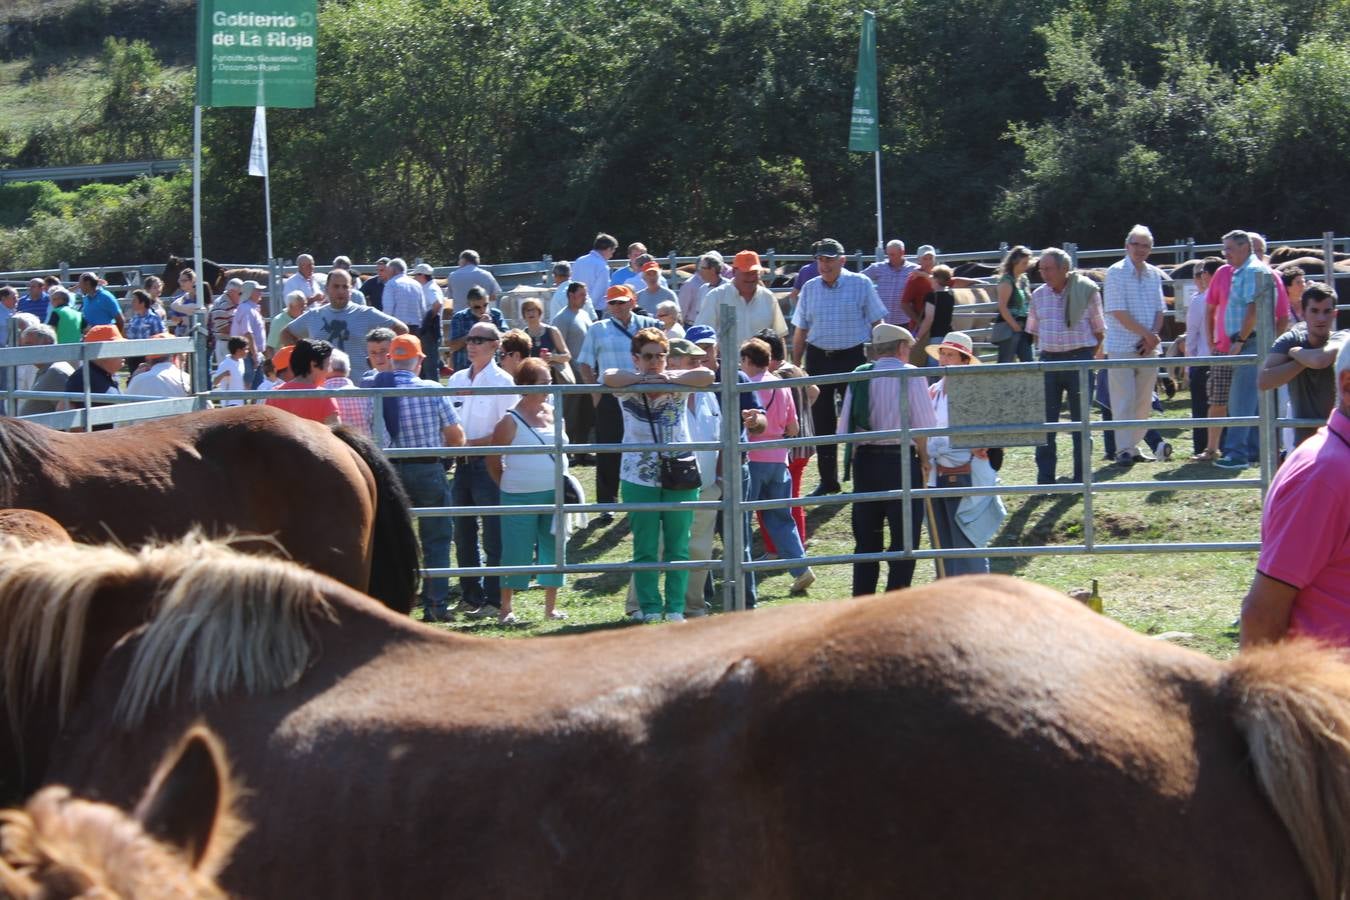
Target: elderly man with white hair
403	297
305	280
890	276
50	376
710	272
1133	295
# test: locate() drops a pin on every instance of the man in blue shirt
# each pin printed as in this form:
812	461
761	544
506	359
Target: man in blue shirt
36	301
100	307
478	310
428	422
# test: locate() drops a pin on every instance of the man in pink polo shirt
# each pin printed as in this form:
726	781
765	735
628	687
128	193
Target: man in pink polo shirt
1302	583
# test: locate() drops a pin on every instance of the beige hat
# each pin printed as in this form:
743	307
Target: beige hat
886	333
958	341
682	347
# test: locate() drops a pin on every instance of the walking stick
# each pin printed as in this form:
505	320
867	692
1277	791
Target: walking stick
933	536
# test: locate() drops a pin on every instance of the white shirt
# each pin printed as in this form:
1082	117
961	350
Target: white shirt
433	293
940	449
593	271
480	414
164	379
751	318
1197	328
310	286
404	300
1139	295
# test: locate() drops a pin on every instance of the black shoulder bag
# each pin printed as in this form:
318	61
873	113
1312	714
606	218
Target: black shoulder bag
679	472
572	492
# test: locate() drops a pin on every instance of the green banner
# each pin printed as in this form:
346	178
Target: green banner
256	52
863	130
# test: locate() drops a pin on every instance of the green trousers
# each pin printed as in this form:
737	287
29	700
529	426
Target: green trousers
656	534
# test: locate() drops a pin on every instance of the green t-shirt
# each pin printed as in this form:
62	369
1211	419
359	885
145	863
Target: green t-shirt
69	325
1018	300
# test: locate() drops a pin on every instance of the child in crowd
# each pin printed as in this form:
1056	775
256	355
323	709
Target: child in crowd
230	370
270	379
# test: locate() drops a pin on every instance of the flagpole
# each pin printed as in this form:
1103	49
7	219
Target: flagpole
201	366
881	244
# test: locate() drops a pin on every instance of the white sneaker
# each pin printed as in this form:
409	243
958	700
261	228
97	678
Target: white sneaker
674	617
804	581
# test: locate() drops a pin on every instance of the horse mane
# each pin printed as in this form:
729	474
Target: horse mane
226	622
61	845
19	441
45	594
233	621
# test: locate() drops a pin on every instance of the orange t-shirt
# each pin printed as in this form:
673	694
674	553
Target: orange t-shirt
320	409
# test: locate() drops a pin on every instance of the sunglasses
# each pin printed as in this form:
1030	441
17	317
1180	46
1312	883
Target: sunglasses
476	339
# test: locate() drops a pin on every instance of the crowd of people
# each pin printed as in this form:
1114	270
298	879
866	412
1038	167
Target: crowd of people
628	333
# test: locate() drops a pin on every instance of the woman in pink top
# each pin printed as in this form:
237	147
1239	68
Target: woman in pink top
768	468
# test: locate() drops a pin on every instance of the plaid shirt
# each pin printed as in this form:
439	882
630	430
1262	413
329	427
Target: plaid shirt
1046	320
460	325
1141	296
890	283
420	419
839	317
355	411
609	345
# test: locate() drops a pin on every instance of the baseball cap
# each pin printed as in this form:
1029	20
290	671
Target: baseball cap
828	248
886	333
250	287
651	264
405	346
103	333
620	292
234	283
423	269
685	347
926	249
701	334
282	358
747	261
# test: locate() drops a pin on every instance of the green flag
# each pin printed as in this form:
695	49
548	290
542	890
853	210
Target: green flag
863	131
256	52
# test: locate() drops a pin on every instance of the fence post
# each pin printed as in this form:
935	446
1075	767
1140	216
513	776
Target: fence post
275	303
1268	435
1329	260
772	254
733	518
65	271
1072	249
545	279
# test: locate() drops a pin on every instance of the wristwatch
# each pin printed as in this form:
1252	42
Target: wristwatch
1237	338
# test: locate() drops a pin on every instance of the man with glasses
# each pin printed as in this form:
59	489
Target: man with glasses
608	345
462	322
473	486
1134	316
834	317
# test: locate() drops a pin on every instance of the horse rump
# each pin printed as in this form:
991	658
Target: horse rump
395	560
1291	702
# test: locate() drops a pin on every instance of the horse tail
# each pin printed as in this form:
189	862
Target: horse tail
1291	701
395	561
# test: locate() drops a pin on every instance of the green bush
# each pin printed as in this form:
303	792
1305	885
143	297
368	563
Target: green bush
19	199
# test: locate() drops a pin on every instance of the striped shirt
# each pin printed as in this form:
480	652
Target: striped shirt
1139	295
404	299
884	405
1046	320
841	316
355	411
609	345
890	283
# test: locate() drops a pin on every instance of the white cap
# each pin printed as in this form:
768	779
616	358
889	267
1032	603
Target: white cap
423	269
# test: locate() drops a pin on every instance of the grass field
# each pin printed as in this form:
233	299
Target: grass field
1197	594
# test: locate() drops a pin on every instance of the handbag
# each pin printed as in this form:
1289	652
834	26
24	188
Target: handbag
1001	332
678	472
572	492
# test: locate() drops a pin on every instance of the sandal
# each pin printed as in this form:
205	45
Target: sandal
1205	456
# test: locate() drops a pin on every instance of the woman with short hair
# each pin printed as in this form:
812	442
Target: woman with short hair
528	479
546	341
651	416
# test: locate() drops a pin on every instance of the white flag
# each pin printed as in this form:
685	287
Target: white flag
257	153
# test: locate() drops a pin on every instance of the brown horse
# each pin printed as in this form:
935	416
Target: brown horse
326	497
31	526
977	737
182	832
213	274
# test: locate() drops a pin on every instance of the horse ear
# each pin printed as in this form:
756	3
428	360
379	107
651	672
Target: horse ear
185	803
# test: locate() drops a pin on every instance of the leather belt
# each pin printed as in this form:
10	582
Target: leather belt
855	348
954	470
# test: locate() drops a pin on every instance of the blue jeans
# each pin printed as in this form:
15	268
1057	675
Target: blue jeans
770	481
1060	386
1242	443
949	533
426	486
475	487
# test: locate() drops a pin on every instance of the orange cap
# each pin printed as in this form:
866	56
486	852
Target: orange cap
103	333
282	358
620	292
405	346
651	264
747	261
